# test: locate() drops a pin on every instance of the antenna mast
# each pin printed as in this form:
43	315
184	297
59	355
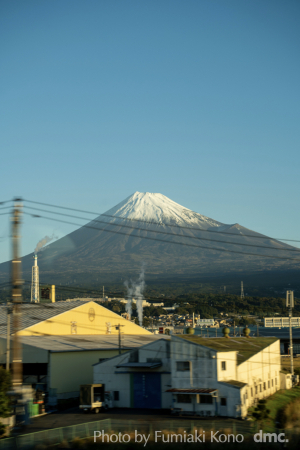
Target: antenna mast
242	290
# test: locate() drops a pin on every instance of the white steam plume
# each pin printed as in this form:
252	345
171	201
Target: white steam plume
43	242
136	290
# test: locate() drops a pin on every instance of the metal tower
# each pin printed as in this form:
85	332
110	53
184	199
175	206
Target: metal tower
242	290
35	291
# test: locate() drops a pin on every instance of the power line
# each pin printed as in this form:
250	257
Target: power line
6	201
158	223
165	240
166	232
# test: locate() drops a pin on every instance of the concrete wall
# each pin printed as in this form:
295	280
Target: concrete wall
261	372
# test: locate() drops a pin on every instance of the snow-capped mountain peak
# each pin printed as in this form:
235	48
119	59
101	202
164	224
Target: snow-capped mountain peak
157	208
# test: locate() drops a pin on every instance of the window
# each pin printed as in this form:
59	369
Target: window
255	389
246	395
260	388
265	387
184	398
251	392
182	366
116	396
223	364
276	381
206	399
269	384
223	401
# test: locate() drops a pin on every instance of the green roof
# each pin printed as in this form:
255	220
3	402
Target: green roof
246	347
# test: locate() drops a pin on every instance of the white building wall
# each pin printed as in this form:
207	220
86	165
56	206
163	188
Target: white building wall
205	367
261	372
230	360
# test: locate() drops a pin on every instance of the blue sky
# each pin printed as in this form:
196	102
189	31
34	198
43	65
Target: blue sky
195	99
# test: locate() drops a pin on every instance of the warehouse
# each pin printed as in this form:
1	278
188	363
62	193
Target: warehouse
61	342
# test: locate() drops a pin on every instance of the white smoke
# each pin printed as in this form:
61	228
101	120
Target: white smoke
135	289
43	242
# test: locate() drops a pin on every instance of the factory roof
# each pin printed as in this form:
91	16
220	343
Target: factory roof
77	343
246	347
33	313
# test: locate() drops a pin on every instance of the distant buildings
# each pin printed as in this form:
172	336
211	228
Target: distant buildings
280	322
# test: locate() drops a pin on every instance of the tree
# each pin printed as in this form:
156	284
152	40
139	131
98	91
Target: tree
261	412
5	385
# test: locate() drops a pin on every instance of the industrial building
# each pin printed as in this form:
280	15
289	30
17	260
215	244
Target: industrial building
280	322
61	342
194	375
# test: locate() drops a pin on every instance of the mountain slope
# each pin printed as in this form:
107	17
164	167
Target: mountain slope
152	229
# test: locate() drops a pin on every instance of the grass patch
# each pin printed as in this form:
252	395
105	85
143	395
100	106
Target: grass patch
276	404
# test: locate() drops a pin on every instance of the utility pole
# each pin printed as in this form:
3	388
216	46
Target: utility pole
16	281
118	328
234	328
242	290
290	305
9	311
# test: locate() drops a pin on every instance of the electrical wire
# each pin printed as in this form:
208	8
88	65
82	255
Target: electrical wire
164	240
167	232
6	201
159	223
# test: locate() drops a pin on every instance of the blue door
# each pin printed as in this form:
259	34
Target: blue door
146	390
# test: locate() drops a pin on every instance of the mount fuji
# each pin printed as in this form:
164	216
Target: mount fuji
169	238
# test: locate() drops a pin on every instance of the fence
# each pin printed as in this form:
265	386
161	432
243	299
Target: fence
176	426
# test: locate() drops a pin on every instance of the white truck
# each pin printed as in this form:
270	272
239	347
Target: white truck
93	398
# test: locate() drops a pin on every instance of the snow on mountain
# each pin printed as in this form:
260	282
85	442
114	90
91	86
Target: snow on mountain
158	208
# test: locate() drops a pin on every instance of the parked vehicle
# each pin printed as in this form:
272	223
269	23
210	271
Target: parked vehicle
93	398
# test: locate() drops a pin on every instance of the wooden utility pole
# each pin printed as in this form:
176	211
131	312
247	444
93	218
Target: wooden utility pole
9	311
17	376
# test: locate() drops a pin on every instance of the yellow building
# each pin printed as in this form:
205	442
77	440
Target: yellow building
61	342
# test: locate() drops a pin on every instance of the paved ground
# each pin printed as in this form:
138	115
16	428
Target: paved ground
74	416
